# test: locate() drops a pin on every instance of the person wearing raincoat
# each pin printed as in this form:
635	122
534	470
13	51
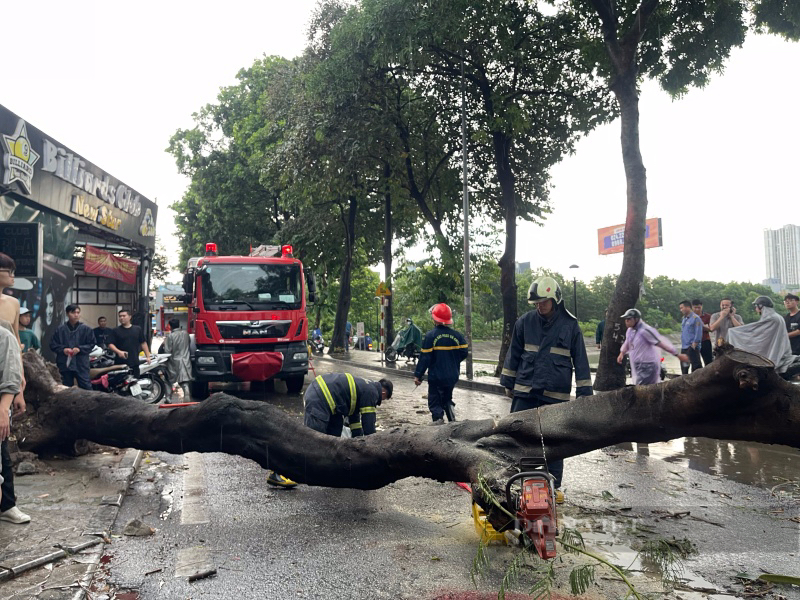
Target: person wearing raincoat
179	365
767	337
410	340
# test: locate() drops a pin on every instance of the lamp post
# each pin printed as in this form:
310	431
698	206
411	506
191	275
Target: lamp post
575	290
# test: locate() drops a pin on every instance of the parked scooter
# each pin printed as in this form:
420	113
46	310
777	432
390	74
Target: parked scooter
153	378
118	379
317	344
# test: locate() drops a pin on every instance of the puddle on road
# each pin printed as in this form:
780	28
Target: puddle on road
604	537
744	462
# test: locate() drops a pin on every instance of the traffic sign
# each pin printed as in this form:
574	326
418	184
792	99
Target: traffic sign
383	290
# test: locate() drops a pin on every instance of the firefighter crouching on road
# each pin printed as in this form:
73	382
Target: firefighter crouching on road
443	349
545	345
331	398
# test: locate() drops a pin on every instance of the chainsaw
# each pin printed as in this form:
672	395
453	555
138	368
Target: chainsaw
535	505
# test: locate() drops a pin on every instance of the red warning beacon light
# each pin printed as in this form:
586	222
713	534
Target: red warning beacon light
211	249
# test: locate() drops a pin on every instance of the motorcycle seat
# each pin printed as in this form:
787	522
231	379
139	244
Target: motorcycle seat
94	373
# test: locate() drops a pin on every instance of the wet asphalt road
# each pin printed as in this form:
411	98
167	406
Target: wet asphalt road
415	538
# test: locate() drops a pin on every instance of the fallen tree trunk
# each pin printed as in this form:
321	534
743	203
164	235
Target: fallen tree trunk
738	397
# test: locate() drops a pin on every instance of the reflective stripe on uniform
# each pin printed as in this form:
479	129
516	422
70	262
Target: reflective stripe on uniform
426	350
326	392
583	383
522	388
449	347
531	348
561	351
509	373
352	383
556	395
368	409
355	426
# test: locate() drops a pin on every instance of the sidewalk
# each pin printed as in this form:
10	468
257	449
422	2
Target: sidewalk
73	503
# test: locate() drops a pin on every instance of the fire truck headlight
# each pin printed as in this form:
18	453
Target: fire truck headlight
300	356
205	360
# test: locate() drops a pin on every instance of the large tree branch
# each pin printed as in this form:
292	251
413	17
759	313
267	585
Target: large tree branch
737	397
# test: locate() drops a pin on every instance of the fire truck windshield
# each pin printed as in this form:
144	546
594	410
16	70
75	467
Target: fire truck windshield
252	287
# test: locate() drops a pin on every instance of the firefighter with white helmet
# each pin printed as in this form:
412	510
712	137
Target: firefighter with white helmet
546	345
442	351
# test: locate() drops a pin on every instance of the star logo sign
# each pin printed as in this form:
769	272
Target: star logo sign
19	158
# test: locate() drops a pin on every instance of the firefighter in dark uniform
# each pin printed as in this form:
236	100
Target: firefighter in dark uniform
545	347
331	398
443	349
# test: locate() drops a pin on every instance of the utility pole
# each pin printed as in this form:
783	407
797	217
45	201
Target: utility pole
467	283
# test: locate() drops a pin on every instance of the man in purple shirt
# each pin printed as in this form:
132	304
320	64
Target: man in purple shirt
642	343
691	337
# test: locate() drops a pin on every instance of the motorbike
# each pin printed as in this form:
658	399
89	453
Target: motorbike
397	349
317	344
153	378
106	376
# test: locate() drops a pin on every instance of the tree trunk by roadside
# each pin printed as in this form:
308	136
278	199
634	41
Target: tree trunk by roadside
339	339
622	52
507	262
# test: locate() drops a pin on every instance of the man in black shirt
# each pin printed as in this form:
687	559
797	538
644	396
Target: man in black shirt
102	333
793	321
126	340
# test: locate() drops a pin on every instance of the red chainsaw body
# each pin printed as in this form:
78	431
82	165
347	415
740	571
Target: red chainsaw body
537	514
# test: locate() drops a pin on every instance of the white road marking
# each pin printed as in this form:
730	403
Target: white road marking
194	510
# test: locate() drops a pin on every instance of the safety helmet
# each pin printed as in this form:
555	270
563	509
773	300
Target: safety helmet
441	313
763	301
543	288
631	313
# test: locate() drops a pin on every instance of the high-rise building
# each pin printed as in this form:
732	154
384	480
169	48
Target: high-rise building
782	252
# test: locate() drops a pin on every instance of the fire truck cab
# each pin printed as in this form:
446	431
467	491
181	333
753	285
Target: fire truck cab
247	317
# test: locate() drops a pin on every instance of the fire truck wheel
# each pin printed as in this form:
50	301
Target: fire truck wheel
294	385
199	390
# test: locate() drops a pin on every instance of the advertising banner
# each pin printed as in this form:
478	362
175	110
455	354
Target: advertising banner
105	264
612	239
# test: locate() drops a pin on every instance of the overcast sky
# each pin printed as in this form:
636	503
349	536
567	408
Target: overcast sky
114	83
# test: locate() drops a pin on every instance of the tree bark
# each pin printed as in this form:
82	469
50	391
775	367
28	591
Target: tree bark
737	397
507	262
339	339
622	53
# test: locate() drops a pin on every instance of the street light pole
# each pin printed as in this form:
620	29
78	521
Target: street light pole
575	291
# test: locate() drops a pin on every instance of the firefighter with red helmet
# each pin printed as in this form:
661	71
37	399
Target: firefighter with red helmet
442	351
546	345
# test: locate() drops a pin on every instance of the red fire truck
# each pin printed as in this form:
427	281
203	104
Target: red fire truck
247	317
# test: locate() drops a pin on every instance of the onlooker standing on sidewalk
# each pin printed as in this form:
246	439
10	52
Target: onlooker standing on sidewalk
706	351
723	320
691	337
27	338
10	387
102	332
792	321
545	344
72	342
642	342
443	349
598	333
125	342
179	365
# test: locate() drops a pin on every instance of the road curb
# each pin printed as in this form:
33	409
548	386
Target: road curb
96	533
480	386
